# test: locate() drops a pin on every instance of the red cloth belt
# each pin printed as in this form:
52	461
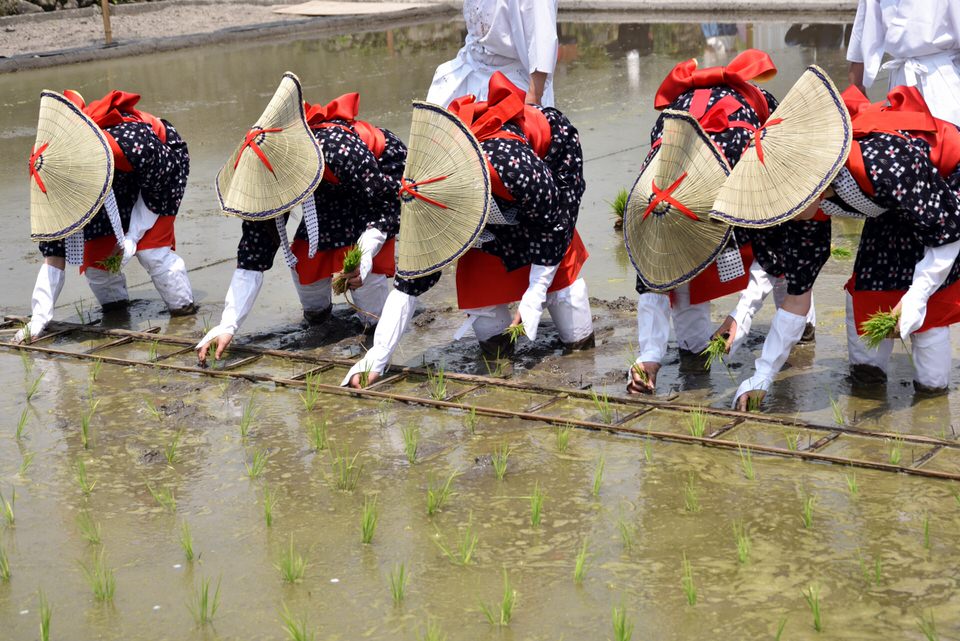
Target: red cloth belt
328	262
345	107
707	286
943	308
751	64
482	279
99	249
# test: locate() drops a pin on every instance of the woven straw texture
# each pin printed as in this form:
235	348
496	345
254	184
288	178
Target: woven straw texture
801	156
432	237
248	188
667	247
76	169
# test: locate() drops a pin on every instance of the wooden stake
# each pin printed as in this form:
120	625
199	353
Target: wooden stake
107	31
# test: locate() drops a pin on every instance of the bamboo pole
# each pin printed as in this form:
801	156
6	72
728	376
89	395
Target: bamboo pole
107	30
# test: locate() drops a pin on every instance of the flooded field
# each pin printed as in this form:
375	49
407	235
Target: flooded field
656	526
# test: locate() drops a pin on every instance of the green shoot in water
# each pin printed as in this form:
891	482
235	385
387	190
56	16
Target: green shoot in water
153	410
618	206
437	379
602	403
841	253
368	522
812	597
34	386
928	626
514	332
4	565
84	317
837	410
744	546
806	511
164	496
22	424
346	470
472	420
466	545
398	583
580	563
270	498
365	376
296	628
248	416
499	365
85	424
46	613
697	422
100	577
9	516
152	352
746	462
292	565
80	477
317	433
871	576
852	486
926	531
411	442
437	495
95	369
432	632
25	463
186	541
351	261
89	529
691	496
780	626
111	264
793	441
171	448
536	505
563	438
499	460
877	328
622	626
598	475
686	582
501	615
628	533
255	469
895	454
383	413
204	605
311	393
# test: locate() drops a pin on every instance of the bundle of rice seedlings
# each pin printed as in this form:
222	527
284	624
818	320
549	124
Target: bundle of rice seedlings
350	263
714	353
877	328
112	264
617	206
514	332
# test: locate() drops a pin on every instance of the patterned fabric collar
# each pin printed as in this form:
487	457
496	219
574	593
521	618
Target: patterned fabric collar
850	199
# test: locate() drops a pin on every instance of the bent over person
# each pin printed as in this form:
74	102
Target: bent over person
106	181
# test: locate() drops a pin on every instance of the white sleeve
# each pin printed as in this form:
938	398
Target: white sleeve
534	298
394	320
539	31
46	290
653	326
141	221
244	288
370	243
929	274
751	300
785	332
854	49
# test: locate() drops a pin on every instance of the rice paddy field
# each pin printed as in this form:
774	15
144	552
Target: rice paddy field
149	503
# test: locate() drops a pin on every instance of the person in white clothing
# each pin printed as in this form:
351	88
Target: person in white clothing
922	38
515	37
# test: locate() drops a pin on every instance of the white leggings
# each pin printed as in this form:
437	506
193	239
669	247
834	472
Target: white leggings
370	297
166	269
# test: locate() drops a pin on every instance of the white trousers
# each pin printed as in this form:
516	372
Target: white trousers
169	275
370	297
691	323
780	294
937	76
569	308
930	350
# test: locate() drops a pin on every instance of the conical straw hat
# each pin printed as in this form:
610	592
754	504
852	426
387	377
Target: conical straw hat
666	245
804	145
279	163
445	195
71	169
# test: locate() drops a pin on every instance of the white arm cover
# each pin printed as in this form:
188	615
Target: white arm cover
141	221
370	243
854	51
394	319
653	326
533	300
45	292
785	331
243	291
929	274
751	300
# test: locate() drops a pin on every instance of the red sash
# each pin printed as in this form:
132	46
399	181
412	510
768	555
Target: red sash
346	107
943	308
707	286
482	279
99	249
328	262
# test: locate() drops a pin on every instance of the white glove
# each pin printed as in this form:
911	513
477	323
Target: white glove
929	274
243	291
751	300
142	220
653	326
394	319
45	293
785	332
370	243
535	297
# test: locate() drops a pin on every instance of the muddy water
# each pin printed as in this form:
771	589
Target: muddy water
605	83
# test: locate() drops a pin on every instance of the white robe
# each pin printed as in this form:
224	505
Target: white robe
923	39
515	37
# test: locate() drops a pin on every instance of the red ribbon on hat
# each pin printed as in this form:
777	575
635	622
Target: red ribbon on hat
250	141
34	156
757	132
410	187
346	108
751	64
665	196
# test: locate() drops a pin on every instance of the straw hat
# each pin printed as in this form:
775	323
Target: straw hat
445	192
279	163
802	148
71	169
667	245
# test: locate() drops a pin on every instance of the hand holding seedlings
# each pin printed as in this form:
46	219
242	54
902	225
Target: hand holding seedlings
516	330
349	275
643	377
879	327
219	344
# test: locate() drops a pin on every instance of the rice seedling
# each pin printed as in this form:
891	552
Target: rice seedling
9	516
112	264
292	564
837	410
83	316
806	511
873	575
780	626
296	628
248	416
432	632
164	497
368	522
926	531
536	505
46	614
25	463
365	376
793	441
563	438
466	545
346	470
81	479
622	626
598	475
852	485
714	353
437	379
22	424
4	565
691	496
895	453
351	261
170	450
841	253
877	328
398	583
153	410
311	393
499	460
437	495
812	597
186	541
27	338
85	424
580	563
204	604
100	577
34	386
602	403
639	371
618	206
259	464
628	533
152	351
744	546
501	615
687	583
383	412
411	442
928	626
647	452
753	403
746	462
270	498
697	422
472	420
514	332
95	369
